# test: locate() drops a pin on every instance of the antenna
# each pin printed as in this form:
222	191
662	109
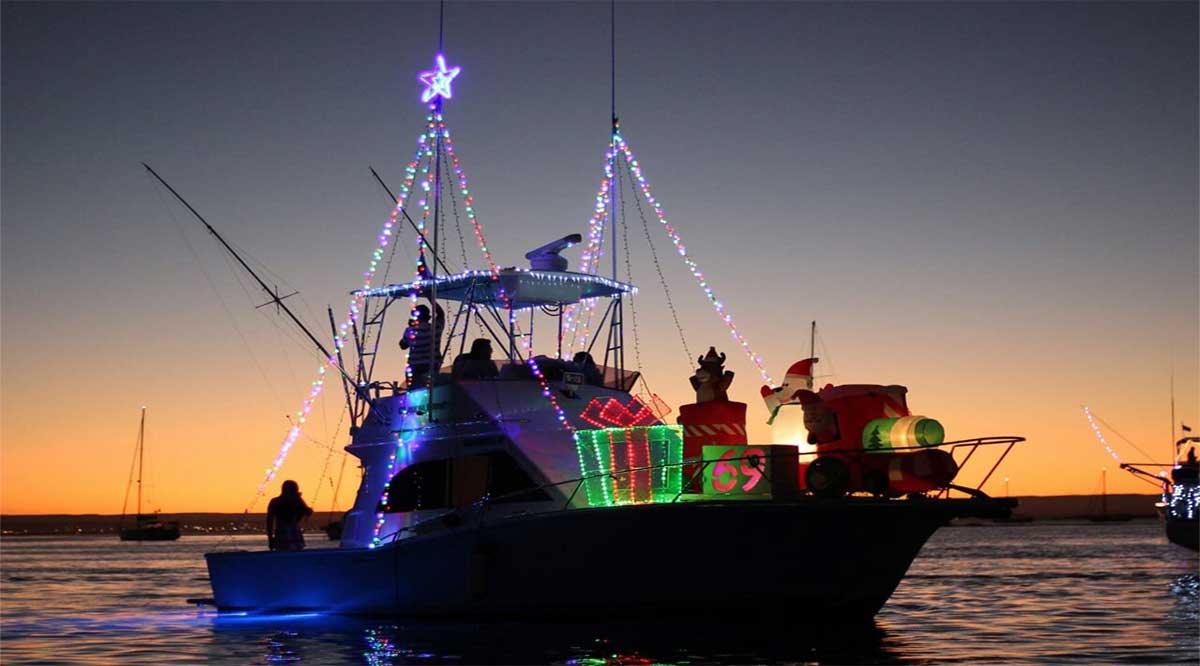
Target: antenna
616	324
612	57
1174	447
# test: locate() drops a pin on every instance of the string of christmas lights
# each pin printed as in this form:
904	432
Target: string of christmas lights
1087	412
589	260
418	167
469	207
339	341
717	305
401	457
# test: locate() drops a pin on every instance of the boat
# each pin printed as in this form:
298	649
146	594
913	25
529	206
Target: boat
1182	498
550	485
333	530
146	527
1180	504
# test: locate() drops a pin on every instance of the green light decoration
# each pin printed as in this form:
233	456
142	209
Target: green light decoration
635	465
739	472
882	435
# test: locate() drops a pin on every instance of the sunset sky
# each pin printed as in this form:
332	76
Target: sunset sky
993	204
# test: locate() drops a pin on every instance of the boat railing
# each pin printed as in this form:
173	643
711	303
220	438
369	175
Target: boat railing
1161	479
455	517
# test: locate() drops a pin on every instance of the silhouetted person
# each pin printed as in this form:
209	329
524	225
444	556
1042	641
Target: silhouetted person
477	363
585	364
284	514
422	339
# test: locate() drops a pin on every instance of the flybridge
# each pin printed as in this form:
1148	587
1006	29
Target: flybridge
508	288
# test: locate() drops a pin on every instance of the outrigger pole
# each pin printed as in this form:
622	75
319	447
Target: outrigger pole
412	224
273	294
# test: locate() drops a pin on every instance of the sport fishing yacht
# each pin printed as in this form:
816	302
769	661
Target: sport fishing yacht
555	486
483	496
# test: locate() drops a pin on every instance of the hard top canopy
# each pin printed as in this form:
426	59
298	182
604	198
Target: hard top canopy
509	288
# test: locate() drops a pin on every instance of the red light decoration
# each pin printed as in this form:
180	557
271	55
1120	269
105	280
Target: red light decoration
610	413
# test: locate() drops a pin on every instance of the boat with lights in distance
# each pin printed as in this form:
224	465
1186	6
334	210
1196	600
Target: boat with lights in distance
1180	505
552	485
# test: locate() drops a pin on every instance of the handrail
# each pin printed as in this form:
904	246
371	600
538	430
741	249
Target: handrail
485	502
1153	479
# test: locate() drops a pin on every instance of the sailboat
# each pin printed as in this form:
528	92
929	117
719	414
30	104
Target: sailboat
146	527
1104	516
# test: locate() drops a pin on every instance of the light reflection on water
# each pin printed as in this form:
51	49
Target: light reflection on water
1023	593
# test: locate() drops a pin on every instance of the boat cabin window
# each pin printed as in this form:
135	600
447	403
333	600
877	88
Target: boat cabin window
458	482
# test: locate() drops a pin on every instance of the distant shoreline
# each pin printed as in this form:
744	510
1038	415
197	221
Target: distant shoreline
1054	507
189	523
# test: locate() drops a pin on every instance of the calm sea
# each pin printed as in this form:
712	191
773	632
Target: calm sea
1048	593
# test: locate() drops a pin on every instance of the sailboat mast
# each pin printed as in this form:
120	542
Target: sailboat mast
141	447
1104	491
812	352
1171	443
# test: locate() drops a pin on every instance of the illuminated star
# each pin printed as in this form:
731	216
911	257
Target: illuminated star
437	81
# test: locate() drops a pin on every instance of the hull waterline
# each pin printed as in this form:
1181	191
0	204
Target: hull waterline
833	559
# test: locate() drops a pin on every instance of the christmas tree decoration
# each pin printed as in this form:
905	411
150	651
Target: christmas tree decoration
352	318
589	260
656	206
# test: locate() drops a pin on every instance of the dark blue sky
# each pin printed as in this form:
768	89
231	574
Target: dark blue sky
964	194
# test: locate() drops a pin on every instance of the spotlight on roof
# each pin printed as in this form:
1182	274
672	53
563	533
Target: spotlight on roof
545	258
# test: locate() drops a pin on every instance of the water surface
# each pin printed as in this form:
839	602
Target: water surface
1048	593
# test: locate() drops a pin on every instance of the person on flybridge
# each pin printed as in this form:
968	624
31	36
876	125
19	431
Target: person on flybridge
477	363
423	340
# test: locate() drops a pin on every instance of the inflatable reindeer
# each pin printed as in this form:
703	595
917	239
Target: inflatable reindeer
711	380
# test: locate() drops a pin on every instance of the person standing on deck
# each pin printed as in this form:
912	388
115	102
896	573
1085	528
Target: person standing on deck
284	514
422	340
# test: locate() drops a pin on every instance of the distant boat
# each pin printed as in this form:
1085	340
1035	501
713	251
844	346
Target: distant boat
1182	499
1104	516
146	527
333	530
1180	505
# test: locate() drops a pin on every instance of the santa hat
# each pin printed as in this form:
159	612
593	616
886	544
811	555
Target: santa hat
799	375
